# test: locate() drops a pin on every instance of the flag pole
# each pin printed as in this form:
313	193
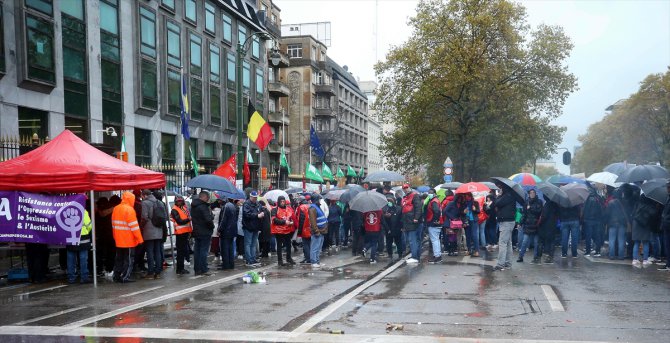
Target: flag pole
183	139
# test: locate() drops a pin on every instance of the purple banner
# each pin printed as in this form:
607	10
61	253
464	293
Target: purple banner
36	218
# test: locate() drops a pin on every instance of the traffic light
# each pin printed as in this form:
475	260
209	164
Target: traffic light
567	158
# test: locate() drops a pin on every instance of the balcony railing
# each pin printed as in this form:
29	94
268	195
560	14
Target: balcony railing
279	89
324	88
277	118
324	111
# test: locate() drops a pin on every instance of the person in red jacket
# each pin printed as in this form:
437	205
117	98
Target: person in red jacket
373	224
282	229
304	232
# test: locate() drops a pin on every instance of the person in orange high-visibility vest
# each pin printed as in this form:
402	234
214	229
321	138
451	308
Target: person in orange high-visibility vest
181	219
127	236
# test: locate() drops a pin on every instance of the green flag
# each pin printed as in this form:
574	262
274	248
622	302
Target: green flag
195	163
326	172
312	173
250	159
361	173
283	161
351	172
340	173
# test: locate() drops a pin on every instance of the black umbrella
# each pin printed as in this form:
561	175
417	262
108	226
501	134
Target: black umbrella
293	190
553	193
577	193
656	190
643	173
618	167
492	186
512	186
384	176
368	201
212	182
451	185
351	193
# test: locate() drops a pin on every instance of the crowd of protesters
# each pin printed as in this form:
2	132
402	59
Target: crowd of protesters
133	228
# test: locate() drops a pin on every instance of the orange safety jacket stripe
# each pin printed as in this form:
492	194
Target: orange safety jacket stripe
179	229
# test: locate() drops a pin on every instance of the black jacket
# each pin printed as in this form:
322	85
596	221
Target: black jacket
391	219
531	215
616	214
408	218
594	208
201	218
505	208
567	214
250	220
665	217
451	212
548	220
265	233
228	221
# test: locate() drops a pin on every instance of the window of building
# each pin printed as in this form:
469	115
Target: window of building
168	3
241	33
214	64
271	74
40	49
195	101
232	110
44	6
112	112
259	83
147	32
313	57
75	78
191	10
294	50
173	44
230	71
208	149
226	151
148	65
227	28
168	148
246	75
210	18
196	54
78	126
322	57
173	91
142	147
319	78
256	48
33	121
215	105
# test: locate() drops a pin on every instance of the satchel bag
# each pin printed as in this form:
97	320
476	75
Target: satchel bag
456	224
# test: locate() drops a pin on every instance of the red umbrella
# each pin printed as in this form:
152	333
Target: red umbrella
472	187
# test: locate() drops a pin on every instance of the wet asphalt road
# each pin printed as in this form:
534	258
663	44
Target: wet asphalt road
595	300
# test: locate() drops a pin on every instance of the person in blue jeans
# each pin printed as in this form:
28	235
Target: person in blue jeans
569	230
203	226
318	225
665	228
646	218
411	208
80	252
472	230
616	221
529	224
252	217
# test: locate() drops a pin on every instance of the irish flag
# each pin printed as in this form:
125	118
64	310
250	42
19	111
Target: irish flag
258	130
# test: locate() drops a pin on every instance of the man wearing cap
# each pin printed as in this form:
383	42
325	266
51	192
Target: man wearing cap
181	219
411	214
252	215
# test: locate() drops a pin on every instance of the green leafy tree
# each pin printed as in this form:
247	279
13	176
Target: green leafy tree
476	83
637	129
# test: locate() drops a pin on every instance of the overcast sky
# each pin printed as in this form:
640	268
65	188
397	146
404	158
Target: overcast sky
617	44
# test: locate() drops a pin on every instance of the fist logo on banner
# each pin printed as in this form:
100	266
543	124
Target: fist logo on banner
70	218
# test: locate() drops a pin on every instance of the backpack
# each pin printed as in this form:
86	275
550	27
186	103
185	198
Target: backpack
160	217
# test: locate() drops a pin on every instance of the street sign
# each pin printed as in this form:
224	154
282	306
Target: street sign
448	163
447	171
447	178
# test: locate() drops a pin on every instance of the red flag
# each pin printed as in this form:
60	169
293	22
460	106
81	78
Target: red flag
245	172
228	169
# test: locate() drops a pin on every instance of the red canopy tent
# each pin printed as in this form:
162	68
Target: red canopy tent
68	164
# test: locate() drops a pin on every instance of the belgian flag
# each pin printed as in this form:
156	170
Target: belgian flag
258	130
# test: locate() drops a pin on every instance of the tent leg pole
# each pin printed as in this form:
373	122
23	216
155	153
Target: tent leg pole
171	226
95	262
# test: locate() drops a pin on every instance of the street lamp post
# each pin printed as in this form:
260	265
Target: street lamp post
242	50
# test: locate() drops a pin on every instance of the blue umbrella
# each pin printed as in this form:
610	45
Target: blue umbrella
238	195
212	182
423	189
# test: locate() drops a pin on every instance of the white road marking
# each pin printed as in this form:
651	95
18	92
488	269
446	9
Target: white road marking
50	315
321	315
140	292
41	290
164	297
552	298
247	336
